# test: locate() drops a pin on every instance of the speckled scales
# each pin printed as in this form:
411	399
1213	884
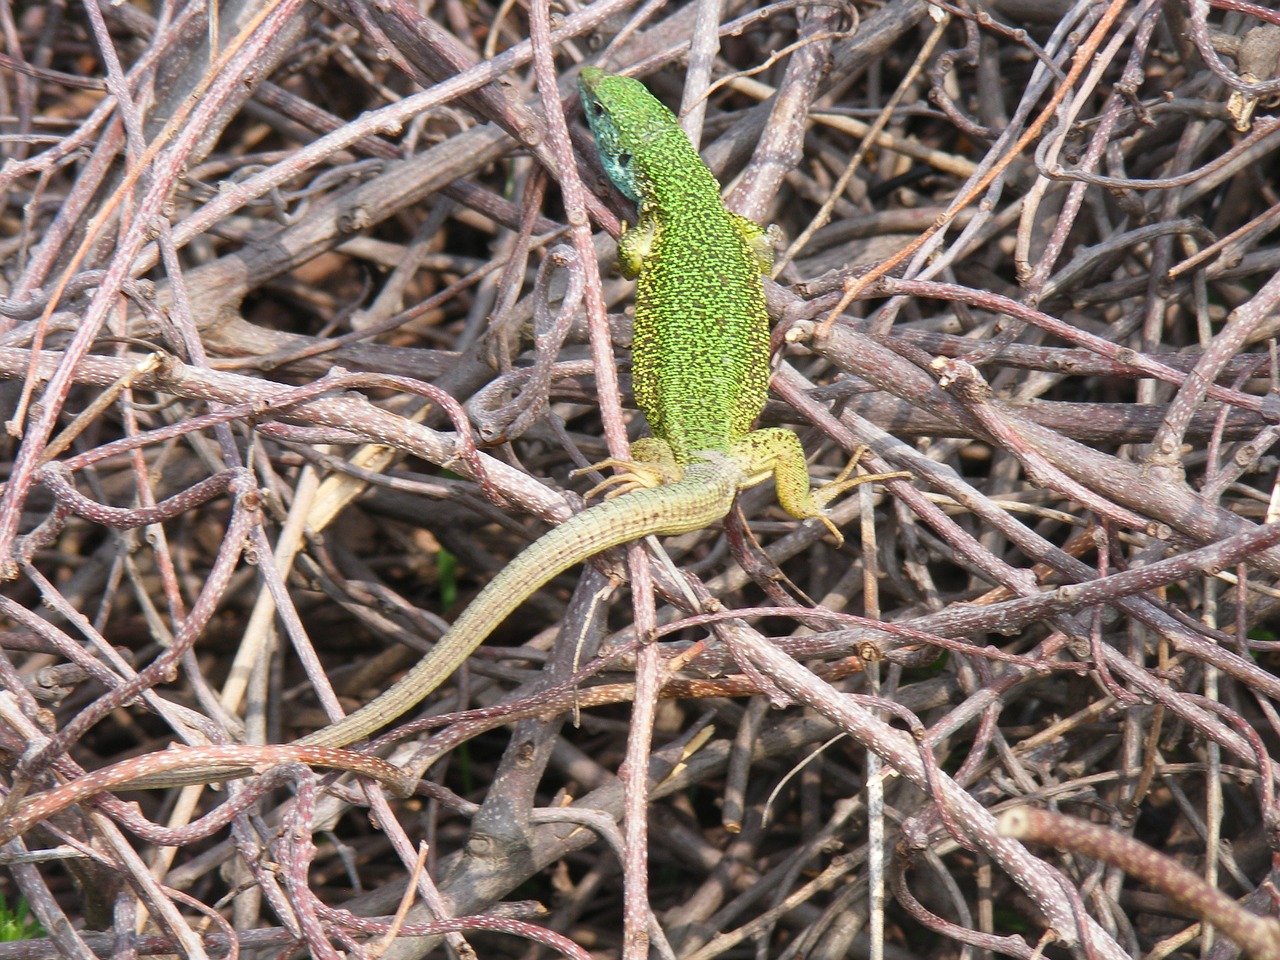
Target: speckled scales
700	357
709	313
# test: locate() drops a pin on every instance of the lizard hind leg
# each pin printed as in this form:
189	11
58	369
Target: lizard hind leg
652	464
776	451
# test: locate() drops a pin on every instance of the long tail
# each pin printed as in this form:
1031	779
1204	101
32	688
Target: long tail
702	497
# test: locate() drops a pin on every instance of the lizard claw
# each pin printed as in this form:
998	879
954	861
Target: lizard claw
835	531
652	464
635	476
843	481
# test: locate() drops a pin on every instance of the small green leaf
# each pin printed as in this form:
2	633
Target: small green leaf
18	924
447	566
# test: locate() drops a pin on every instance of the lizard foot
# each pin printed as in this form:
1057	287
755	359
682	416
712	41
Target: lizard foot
844	481
652	466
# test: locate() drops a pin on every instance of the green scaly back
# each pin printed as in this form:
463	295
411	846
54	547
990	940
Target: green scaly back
700	358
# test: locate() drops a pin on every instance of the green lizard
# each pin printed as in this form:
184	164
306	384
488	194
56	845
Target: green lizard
700	366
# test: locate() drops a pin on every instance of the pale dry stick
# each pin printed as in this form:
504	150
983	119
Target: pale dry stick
164	170
260	627
733	798
1241	323
638	915
430	894
876	813
938	159
147	364
703	47
872	134
1174	944
774	56
383	943
1080	61
1212	786
1263	223
1259	937
837	870
779	147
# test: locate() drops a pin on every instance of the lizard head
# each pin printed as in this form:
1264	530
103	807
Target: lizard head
625	118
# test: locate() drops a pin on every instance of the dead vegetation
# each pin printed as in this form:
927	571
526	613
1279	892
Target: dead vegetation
253	269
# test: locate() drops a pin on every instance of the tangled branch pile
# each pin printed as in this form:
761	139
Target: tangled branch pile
253	268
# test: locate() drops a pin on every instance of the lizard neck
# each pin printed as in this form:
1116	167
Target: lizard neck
669	179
